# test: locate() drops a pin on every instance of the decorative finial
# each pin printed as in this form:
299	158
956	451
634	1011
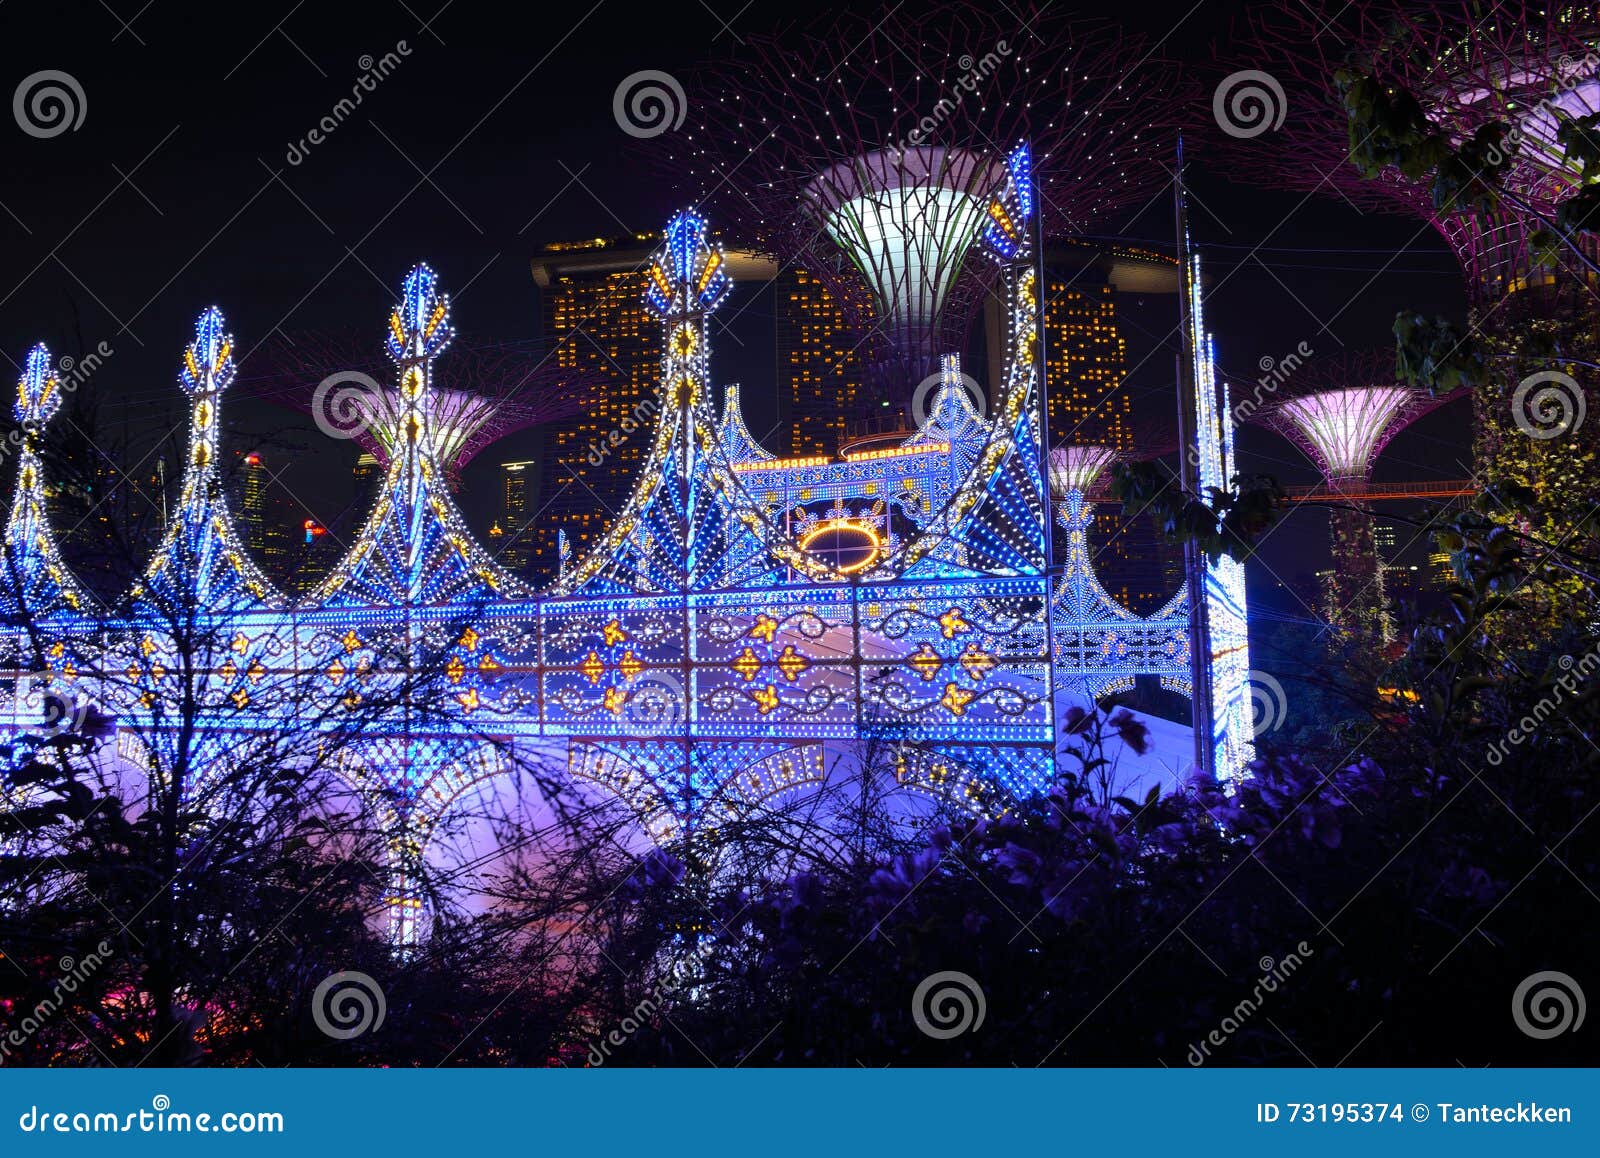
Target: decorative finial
38	390
689	274
1011	208
419	325
208	360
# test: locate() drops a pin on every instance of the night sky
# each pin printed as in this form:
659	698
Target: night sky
493	135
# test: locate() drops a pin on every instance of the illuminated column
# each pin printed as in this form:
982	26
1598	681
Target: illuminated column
687	280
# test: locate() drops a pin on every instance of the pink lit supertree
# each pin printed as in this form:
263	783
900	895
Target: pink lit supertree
864	150
1342	411
1474	70
485	392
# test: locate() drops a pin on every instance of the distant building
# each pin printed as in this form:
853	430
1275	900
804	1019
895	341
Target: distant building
1086	372
819	369
367	472
594	318
265	531
512	536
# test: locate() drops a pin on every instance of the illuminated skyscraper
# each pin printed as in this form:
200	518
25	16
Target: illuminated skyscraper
260	517
253	503
515	538
367	473
594	320
1090	403
819	366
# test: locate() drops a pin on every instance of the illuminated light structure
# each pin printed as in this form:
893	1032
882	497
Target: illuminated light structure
1342	412
40	600
491	391
1224	632
1100	646
873	168
1529	67
698	662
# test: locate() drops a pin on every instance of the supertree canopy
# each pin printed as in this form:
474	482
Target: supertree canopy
1077	468
492	390
1516	75
866	151
1342	412
904	217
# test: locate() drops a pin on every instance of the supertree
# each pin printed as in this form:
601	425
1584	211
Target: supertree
1483	123
488	391
865	151
1474	70
1342	411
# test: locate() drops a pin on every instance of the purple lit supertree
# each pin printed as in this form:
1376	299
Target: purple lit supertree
486	391
864	151
1516	64
1342	411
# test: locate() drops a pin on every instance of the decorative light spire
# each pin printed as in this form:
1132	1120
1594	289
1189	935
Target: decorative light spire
36	581
201	555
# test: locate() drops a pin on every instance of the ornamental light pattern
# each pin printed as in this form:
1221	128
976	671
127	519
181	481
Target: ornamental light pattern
746	622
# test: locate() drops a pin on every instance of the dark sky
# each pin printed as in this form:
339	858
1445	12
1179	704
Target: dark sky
492	136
